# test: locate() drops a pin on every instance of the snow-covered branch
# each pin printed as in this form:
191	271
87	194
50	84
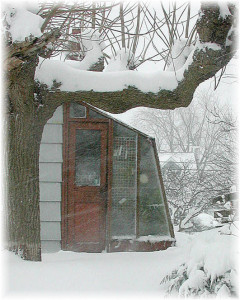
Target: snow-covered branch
160	89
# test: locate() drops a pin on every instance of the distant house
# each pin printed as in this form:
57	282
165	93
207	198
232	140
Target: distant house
100	185
177	161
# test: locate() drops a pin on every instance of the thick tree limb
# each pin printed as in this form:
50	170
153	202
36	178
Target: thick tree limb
206	63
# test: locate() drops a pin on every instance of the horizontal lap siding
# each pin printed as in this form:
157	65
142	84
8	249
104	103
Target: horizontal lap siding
50	211
50	231
50	153
50	172
50	177
50	191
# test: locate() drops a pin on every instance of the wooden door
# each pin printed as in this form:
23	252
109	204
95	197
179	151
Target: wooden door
87	186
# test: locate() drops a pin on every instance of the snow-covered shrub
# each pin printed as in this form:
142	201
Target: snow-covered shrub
198	283
210	267
204	221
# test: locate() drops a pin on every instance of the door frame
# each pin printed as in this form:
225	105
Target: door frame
65	199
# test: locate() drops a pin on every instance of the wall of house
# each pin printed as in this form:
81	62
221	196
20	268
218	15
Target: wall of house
50	172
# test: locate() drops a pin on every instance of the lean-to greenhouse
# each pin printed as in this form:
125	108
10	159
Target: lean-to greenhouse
100	185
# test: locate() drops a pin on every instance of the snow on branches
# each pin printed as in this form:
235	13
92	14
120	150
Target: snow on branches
22	22
210	268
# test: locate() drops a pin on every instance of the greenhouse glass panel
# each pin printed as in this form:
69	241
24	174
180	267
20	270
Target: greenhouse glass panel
124	182
77	110
95	115
152	216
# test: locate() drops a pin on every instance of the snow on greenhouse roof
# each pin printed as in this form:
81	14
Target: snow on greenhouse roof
114	118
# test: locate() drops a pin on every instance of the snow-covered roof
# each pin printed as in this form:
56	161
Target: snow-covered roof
180	158
115	119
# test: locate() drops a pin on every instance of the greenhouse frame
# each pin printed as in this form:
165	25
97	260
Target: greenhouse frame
112	193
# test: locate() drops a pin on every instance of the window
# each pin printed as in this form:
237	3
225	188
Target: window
88	157
77	110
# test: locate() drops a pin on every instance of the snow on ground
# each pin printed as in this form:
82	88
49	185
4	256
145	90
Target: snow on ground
92	273
131	273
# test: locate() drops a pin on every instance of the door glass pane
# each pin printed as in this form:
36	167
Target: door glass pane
88	157
77	110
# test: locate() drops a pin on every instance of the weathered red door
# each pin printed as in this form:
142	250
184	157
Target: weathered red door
87	159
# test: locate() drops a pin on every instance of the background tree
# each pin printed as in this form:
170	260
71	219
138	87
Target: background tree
209	132
30	104
226	156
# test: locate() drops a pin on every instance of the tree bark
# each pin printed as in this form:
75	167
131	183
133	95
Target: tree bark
26	119
24	137
23	204
25	126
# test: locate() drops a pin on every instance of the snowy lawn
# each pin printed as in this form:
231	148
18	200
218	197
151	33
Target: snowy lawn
139	273
81	272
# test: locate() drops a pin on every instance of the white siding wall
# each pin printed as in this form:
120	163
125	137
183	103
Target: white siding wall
50	172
